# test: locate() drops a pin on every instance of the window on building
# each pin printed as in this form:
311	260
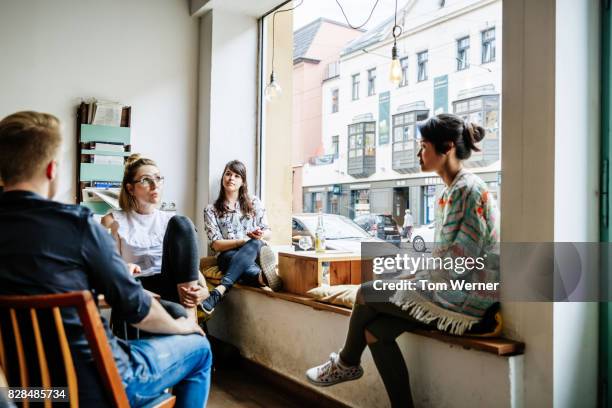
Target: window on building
332	70
404	65
406	140
488	45
336	146
334	100
371	81
483	110
355	87
362	139
463	47
422	59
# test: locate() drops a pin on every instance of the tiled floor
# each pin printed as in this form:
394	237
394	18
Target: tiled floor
235	388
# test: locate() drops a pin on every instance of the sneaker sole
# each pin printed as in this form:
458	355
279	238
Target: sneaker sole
267	262
327	384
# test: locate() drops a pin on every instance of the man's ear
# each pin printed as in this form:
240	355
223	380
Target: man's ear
51	170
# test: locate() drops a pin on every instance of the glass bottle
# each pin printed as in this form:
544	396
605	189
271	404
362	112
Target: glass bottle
320	234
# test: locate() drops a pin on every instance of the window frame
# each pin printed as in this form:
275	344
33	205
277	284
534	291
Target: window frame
422	64
360	144
484	109
463	53
355	81
488	43
335	100
336	146
404	80
371	81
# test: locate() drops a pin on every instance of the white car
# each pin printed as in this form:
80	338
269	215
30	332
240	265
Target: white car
423	236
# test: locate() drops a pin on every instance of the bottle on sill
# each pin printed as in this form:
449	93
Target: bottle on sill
320	234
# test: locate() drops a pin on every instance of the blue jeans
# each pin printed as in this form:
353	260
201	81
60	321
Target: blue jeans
180	362
239	264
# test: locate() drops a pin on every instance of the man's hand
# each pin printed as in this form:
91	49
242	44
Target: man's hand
255	234
188	326
133	269
193	295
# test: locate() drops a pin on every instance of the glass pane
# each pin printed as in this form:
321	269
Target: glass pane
461	107
409	118
399	119
476	104
369	140
370	127
476	117
398	134
491	124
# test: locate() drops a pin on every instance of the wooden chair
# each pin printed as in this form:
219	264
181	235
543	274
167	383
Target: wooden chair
34	350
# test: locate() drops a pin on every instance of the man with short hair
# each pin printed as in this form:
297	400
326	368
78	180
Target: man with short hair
49	247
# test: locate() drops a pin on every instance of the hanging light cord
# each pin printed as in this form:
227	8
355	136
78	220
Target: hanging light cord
396	26
274	26
360	26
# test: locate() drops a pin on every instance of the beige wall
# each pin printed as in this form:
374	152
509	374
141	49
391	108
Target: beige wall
277	124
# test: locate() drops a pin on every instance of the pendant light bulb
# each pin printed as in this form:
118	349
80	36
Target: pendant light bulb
273	89
395	74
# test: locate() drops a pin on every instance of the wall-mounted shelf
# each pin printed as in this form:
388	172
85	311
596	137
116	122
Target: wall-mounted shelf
101	153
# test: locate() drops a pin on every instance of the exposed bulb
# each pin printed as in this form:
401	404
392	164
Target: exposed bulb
273	89
395	74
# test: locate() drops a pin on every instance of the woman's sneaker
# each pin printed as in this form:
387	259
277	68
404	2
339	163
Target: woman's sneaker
267	262
208	305
333	372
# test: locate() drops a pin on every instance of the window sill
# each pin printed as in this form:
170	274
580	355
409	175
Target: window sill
499	346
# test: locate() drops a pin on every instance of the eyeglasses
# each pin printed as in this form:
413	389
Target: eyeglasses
147	181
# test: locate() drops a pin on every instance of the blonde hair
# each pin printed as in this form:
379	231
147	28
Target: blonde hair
127	202
28	142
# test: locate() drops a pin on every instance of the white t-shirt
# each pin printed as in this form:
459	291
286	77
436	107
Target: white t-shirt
408	220
142	237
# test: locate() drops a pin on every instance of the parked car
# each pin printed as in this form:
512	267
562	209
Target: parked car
382	226
340	232
423	236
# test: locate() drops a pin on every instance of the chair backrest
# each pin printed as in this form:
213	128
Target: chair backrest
34	350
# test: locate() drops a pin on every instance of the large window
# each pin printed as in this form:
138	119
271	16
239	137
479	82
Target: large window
422	60
463	47
363	158
355	87
488	46
404	65
334	100
371	81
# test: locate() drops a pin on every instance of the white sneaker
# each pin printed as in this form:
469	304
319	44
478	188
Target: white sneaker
333	372
267	262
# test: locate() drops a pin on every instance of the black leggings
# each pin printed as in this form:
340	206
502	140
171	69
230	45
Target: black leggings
385	321
180	259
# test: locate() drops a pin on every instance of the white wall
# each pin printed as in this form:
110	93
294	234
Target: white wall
576	191
527	203
142	53
227	107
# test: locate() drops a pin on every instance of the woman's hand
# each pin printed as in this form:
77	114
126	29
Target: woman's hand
193	295
133	269
256	234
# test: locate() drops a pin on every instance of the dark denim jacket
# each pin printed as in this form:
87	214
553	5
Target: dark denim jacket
48	247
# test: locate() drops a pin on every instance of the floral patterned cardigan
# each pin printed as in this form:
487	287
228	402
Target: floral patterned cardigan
466	227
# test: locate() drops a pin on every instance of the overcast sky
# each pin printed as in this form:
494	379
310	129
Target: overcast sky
357	11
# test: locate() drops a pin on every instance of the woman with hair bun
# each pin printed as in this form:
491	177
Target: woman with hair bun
466	227
159	248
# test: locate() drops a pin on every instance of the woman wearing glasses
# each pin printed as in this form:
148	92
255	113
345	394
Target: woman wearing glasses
159	248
